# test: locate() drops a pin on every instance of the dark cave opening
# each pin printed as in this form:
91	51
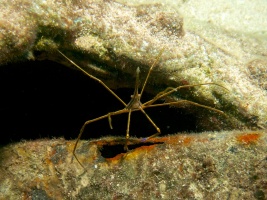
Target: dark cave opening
43	99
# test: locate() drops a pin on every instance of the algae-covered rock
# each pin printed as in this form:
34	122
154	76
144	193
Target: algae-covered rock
201	42
110	39
197	166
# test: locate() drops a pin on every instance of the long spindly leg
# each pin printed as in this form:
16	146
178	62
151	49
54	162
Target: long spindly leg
188	102
93	77
149	72
153	123
170	90
173	103
128	130
90	121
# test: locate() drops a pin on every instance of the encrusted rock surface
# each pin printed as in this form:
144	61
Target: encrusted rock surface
110	39
202	41
225	165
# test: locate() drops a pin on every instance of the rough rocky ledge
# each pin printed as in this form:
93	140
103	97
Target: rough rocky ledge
226	45
225	165
110	39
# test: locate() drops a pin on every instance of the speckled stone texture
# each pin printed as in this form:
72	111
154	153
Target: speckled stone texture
110	39
225	165
202	41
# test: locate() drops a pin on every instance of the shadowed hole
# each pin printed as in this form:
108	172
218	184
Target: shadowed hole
110	151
